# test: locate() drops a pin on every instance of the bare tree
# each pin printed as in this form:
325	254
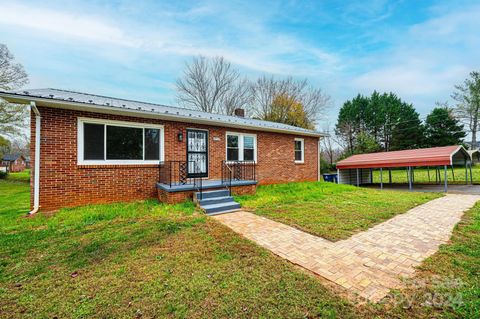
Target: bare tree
212	85
330	147
238	97
266	89
468	103
12	76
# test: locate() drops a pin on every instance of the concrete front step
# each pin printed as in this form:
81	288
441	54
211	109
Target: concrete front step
215	200
221	207
224	212
212	194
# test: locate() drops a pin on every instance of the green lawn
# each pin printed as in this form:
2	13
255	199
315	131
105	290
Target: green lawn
123	260
20	176
145	259
421	175
329	210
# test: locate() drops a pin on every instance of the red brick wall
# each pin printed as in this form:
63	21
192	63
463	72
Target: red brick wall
64	183
18	167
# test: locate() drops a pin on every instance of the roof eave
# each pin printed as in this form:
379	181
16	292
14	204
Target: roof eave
73	105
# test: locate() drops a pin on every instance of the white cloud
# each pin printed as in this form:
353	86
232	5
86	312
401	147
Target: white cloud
426	62
253	47
409	79
90	28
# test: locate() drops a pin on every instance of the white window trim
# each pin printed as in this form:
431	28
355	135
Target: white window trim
81	161
303	150
240	145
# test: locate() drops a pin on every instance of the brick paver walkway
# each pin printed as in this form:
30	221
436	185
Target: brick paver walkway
369	263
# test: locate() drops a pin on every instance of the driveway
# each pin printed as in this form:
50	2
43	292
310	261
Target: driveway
369	263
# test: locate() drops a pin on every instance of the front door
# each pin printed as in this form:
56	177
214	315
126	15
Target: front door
197	153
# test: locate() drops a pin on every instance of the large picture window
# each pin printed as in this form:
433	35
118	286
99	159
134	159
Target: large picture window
241	147
113	142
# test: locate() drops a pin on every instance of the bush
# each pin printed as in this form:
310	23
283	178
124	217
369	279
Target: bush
325	166
3	174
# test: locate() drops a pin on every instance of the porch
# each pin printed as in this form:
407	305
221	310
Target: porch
180	180
206	185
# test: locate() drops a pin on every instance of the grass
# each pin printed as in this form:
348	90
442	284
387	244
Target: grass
399	176
329	210
23	176
144	258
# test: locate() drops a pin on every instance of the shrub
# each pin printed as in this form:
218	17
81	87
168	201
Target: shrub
3	174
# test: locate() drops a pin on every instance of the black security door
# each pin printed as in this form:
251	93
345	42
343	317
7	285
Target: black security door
197	153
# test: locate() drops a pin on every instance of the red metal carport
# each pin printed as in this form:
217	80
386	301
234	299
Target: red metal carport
362	165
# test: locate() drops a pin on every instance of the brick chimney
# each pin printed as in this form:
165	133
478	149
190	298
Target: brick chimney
239	112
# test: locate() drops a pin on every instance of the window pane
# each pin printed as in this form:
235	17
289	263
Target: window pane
232	154
232	141
298	145
248	155
124	143
298	155
93	141
152	144
248	142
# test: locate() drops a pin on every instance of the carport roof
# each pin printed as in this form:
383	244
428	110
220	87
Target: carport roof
434	156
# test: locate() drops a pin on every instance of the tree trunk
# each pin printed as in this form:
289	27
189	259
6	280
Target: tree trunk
474	133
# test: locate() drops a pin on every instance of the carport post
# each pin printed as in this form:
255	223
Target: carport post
445	176
453	173
466	174
428	173
371	175
471	179
390	176
381	178
358	180
409	175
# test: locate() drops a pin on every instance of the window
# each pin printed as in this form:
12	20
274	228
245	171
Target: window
299	150
93	141
248	148
114	142
124	143
232	147
241	147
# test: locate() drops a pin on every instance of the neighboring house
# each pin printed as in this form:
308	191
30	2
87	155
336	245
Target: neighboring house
97	149
27	162
14	162
475	155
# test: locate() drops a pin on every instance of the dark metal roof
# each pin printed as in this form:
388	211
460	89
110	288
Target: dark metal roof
177	113
11	157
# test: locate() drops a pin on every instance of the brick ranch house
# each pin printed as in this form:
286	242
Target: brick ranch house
89	149
14	162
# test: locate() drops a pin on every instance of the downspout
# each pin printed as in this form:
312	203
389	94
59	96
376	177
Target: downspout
319	159
36	179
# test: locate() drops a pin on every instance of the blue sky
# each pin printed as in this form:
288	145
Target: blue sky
137	49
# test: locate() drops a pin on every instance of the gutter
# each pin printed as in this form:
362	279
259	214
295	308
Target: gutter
36	180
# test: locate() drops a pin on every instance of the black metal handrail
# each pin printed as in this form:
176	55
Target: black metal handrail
237	171
175	173
197	181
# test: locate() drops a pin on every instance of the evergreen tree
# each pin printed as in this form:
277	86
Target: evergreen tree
391	123
442	128
409	131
